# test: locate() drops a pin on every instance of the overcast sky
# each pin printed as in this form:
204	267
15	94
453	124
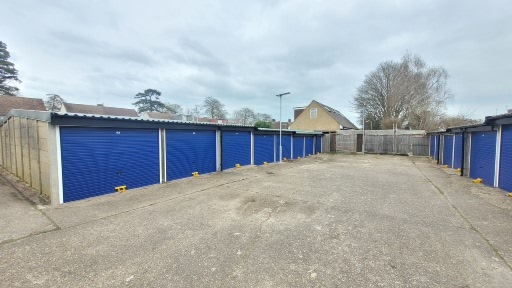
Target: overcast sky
245	52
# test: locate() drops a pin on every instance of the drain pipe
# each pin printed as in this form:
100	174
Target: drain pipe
463	150
438	148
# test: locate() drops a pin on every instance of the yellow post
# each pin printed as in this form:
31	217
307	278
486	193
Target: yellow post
237	166
121	189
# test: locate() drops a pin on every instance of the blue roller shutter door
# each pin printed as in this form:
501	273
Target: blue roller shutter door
298	146
457	155
236	148
263	149
318	146
483	156
310	143
505	181
287	146
436	147
189	151
96	160
448	150
432	145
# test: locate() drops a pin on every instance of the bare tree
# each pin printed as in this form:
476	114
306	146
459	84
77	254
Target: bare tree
173	108
447	121
196	111
214	108
53	102
244	116
407	93
263	117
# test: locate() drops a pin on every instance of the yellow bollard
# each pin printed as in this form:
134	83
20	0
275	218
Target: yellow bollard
284	159
477	180
265	163
121	189
195	174
237	166
457	170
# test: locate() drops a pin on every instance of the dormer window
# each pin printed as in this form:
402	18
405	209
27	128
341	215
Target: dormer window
312	113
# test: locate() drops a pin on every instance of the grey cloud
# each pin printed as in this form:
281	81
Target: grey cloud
246	52
84	46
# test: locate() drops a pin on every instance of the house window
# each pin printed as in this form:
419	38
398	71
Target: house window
312	113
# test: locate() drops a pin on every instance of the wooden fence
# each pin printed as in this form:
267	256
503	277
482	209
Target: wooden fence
402	142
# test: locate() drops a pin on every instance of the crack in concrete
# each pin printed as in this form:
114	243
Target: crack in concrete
160	202
471	226
57	227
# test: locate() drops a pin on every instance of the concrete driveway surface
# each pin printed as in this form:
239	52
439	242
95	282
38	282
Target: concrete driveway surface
325	221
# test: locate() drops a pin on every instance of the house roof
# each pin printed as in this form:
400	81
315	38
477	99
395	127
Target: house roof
99	110
340	118
7	103
159	115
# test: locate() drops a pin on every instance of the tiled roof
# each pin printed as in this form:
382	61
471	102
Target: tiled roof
340	118
99	110
159	115
7	103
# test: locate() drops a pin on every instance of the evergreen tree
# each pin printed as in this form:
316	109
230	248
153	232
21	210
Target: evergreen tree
149	101
7	73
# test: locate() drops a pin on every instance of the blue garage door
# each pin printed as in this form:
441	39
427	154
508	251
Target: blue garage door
436	147
483	156
286	141
264	148
433	145
457	155
96	160
318	144
310	143
448	150
298	146
505	182
236	148
190	151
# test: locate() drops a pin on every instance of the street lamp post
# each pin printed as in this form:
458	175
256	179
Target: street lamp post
280	126
371	124
364	144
